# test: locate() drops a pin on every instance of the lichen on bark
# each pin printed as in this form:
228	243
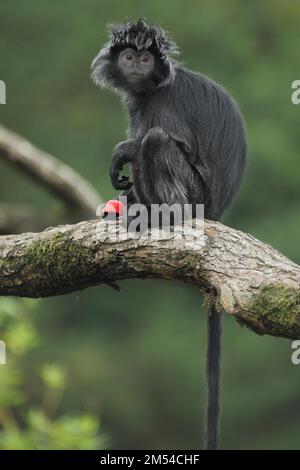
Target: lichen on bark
277	308
61	258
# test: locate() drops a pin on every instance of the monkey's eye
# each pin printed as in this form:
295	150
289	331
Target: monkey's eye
129	57
145	58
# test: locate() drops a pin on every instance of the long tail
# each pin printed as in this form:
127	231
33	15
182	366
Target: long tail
213	373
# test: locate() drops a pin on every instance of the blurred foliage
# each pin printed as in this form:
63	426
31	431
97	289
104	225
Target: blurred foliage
137	358
41	425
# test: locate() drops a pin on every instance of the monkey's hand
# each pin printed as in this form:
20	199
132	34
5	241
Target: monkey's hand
124	152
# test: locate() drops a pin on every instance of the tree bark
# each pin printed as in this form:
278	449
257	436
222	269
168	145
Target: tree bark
235	271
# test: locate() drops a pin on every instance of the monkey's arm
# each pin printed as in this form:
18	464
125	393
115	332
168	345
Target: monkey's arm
123	153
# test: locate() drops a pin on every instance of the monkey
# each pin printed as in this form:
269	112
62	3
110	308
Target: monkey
187	145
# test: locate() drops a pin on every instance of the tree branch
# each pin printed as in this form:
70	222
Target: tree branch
58	177
249	279
18	218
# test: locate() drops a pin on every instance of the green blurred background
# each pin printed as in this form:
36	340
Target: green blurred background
135	360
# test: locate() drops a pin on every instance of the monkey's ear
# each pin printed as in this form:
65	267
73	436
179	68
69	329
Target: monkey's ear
182	144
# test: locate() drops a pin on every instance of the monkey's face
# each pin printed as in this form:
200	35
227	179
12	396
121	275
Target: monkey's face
137	58
137	68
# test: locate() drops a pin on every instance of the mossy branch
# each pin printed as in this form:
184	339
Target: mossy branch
242	275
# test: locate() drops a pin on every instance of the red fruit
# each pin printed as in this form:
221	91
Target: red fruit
113	206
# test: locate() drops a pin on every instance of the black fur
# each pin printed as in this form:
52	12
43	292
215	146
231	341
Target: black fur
213	373
187	145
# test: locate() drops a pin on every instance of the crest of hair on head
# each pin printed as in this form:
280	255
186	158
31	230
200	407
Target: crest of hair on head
139	36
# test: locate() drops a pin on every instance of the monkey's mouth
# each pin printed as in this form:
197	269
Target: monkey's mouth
136	76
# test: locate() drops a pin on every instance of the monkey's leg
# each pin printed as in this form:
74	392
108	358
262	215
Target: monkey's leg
163	174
